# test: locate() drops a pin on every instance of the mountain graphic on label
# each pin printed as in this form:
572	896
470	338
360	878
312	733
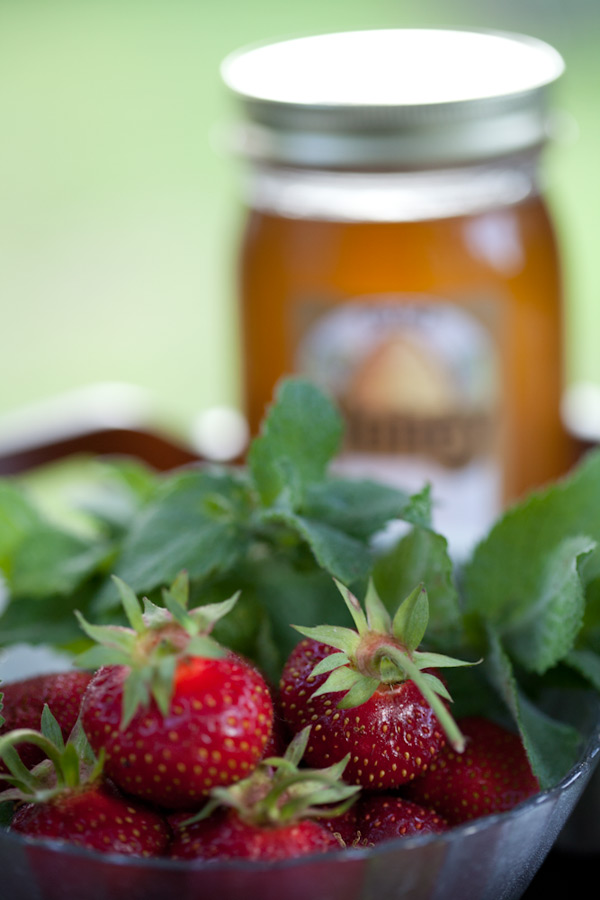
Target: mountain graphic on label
399	376
413	380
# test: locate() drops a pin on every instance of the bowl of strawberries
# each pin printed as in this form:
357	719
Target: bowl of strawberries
166	764
263	699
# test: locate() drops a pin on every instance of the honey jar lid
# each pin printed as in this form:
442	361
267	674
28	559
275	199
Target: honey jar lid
392	98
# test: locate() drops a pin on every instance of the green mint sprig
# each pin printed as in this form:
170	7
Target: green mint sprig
283	527
531	600
278	530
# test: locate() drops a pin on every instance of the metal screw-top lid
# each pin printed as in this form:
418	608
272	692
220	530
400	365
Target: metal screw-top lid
393	98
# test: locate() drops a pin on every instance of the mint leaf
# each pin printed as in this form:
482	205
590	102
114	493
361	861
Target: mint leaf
123	486
552	746
587	664
50	561
336	553
528	574
287	594
241	628
18	516
506	569
418	510
196	521
421	556
362	507
546	630
45	620
300	435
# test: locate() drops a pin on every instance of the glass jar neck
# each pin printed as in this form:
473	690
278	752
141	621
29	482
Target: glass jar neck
391	196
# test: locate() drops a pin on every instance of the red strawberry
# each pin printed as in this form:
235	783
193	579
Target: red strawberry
391	737
344	826
492	775
385	816
98	818
378	698
179	714
24	701
280	736
66	798
381	816
269	816
224	835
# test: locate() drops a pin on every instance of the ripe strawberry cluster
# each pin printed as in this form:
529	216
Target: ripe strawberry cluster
167	743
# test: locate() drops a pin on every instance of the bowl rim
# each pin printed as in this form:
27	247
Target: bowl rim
584	767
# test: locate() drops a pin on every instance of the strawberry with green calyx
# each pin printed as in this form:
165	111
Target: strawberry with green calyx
377	696
174	712
24	701
270	815
156	638
65	797
65	763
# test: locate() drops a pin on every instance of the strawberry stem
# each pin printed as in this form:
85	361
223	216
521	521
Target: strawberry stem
383	650
157	639
280	790
354	608
28	736
403	661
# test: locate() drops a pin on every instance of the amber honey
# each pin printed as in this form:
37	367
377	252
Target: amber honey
284	261
399	252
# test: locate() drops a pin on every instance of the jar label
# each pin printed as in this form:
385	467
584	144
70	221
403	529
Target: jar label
417	380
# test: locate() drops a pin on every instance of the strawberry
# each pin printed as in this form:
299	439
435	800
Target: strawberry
227	836
384	816
268	816
66	798
174	712
98	818
377	698
345	826
24	701
492	775
380	816
280	735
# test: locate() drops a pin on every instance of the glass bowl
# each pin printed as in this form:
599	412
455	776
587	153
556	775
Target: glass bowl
493	857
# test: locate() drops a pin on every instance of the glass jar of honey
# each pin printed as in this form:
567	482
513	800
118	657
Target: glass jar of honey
399	252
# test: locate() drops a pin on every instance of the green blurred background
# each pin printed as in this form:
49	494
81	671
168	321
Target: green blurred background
119	212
